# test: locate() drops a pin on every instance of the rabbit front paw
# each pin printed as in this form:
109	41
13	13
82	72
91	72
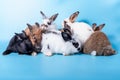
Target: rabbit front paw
34	53
48	53
66	54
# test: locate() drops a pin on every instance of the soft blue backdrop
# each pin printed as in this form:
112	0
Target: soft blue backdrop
14	14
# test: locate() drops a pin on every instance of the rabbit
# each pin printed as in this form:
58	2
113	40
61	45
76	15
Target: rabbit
34	33
27	42
98	43
81	29
19	43
61	42
47	23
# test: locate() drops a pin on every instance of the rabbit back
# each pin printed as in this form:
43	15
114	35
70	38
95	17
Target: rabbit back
83	30
98	42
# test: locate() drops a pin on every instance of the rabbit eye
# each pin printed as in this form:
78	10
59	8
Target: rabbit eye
49	23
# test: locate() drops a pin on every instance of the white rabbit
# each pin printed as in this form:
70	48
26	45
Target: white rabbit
62	42
81	29
47	23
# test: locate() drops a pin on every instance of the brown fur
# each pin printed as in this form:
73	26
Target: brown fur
34	33
74	16
98	42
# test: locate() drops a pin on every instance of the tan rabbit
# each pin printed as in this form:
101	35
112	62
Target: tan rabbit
98	43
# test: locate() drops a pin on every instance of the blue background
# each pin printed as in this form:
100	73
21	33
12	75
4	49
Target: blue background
14	14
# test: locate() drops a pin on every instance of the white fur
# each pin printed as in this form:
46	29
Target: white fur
57	44
83	30
50	27
94	53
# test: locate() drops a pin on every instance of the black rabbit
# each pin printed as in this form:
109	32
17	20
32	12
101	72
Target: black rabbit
19	43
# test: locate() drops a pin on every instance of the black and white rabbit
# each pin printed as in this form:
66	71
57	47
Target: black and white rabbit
61	42
48	22
81	29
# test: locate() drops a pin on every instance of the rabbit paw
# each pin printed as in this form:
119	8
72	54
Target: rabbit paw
48	54
108	51
66	54
34	53
93	53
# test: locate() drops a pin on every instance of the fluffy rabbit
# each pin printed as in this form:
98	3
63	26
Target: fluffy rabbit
81	29
19	43
98	43
34	33
62	42
47	23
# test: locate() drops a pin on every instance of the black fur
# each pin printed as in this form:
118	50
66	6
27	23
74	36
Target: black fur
66	34
19	43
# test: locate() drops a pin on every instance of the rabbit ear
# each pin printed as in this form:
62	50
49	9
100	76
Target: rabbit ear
18	37
73	17
37	24
66	26
94	26
43	15
101	26
29	27
24	32
53	17
16	34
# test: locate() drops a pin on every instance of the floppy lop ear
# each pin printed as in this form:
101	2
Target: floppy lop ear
29	27
43	15
53	17
73	17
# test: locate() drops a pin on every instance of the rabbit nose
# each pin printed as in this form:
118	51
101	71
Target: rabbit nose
75	44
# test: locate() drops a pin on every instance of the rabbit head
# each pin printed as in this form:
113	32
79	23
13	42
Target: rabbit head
48	21
66	32
34	32
68	35
98	43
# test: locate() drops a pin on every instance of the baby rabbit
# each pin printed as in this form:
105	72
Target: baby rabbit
34	33
61	42
98	43
19	43
81	29
47	23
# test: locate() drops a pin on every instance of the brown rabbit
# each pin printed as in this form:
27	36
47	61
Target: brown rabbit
34	32
98	43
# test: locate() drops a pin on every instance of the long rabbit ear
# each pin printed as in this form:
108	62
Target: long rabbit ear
73	17
37	24
43	15
53	17
18	37
29	27
66	26
94	25
101	26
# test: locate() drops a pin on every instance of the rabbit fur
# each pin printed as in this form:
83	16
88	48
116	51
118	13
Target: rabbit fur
98	43
60	42
81	29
